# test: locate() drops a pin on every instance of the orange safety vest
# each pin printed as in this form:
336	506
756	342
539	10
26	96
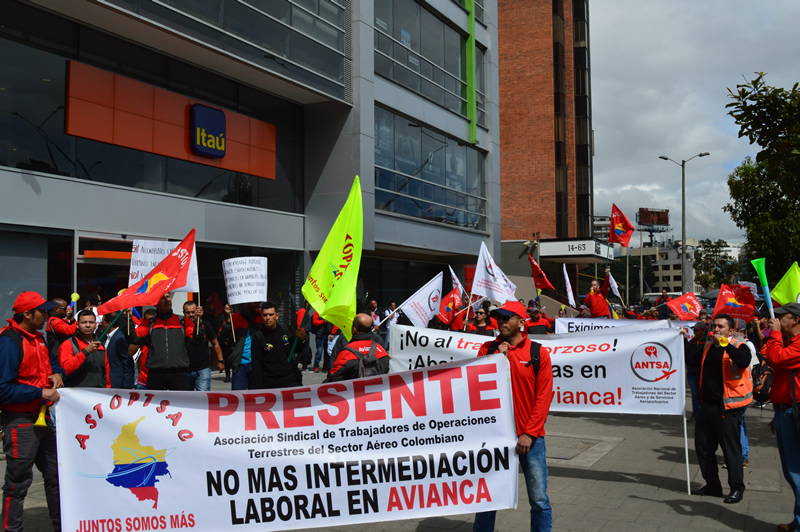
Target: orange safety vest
737	384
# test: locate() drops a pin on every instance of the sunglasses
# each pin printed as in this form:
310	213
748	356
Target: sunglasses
480	312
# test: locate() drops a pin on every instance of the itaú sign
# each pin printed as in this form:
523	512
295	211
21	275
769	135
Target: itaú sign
207	136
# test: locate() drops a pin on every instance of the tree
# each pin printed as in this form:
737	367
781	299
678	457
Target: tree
712	266
766	192
769	217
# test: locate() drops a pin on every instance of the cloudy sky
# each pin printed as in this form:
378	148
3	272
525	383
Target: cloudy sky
660	74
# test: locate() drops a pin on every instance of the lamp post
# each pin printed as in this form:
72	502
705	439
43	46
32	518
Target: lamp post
682	164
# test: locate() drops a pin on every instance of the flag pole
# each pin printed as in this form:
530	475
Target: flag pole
112	324
302	326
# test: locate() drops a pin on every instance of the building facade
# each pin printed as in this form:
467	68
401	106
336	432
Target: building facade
247	120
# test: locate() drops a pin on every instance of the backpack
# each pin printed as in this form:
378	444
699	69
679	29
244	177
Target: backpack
368	365
762	380
16	339
535	350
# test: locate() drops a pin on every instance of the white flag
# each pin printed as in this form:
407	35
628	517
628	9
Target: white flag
456	282
569	288
613	284
424	304
490	281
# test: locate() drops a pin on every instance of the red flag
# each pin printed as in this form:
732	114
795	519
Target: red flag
735	300
687	307
214	305
170	274
539	278
621	227
449	305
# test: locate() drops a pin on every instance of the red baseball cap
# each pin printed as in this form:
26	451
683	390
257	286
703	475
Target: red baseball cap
27	301
511	308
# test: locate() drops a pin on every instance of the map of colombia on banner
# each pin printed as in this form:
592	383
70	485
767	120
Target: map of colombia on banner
435	441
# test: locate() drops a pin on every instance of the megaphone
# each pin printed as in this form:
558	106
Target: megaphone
40	421
723	341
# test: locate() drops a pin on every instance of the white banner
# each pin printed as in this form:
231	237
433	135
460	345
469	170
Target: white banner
245	279
424	304
147	254
490	281
438	441
570	295
622	370
573	325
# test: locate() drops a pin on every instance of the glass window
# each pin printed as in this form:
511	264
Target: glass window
384	138
433	149
432	37
383	15
457	166
406	23
454	50
407	146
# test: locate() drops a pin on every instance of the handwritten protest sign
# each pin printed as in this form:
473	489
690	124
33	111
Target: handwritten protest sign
245	279
147	254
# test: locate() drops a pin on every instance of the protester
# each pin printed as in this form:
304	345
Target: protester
165	338
596	301
482	324
346	364
725	389
783	354
199	334
300	316
241	326
123	368
389	319
27	381
318	330
226	343
59	327
271	345
84	359
139	353
661	305
532	389
693	350
538	323
583	312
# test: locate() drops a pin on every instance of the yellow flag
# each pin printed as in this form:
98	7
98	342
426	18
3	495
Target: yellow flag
788	288
331	284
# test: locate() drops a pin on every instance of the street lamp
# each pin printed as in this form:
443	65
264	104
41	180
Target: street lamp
682	164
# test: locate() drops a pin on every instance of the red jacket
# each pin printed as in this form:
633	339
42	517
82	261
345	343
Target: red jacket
31	376
491	325
71	361
346	365
783	356
532	393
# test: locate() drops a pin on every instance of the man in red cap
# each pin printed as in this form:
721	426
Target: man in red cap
532	388
26	382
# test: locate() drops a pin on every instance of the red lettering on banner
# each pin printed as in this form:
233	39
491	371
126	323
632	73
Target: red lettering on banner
466	498
216	410
361	397
253	406
483	491
291	403
445	377
327	396
476	387
427	496
398	389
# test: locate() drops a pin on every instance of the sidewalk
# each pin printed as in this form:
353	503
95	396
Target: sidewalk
607	472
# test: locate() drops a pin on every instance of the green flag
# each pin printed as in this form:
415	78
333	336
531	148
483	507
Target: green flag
788	288
331	284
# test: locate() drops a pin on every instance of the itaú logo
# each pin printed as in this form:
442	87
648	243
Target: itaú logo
208	131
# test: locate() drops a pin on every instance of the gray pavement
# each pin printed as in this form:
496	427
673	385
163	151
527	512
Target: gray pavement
607	472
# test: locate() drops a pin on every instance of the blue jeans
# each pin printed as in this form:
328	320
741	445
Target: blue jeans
200	380
743	437
694	386
534	468
320	351
788	444
241	379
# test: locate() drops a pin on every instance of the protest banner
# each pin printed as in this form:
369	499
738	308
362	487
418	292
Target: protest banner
622	370
573	325
245	279
146	254
437	441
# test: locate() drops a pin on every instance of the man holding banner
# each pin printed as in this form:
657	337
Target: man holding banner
532	389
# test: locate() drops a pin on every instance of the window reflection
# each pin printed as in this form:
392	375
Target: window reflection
424	174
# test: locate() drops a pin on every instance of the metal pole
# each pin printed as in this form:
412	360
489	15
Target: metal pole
627	274
641	269
684	272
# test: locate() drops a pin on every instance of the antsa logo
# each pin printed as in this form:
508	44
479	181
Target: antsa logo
208	131
619	230
652	362
433	300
